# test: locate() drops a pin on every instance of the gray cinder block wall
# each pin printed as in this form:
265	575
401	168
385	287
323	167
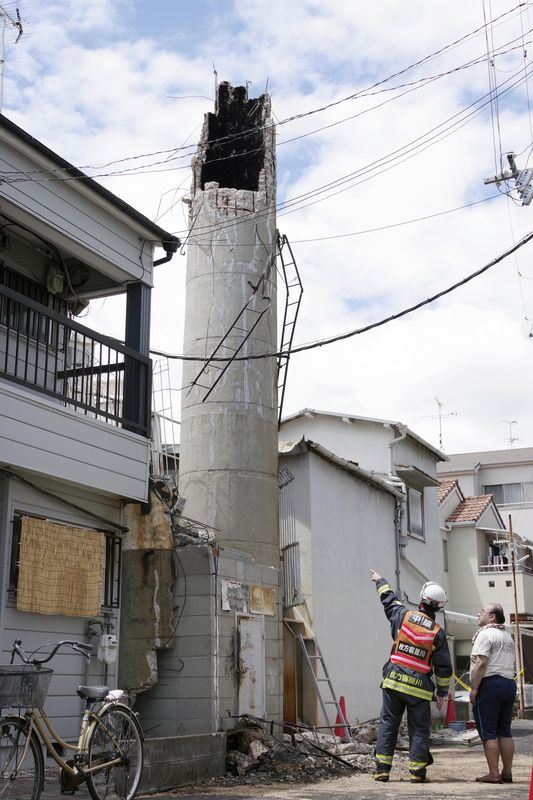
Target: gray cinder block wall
197	689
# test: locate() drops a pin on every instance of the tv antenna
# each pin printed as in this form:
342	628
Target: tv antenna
440	416
7	20
510	423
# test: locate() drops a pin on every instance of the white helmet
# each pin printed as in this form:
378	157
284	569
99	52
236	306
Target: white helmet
432	594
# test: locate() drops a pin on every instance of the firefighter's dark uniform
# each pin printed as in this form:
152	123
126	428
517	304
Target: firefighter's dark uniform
420	651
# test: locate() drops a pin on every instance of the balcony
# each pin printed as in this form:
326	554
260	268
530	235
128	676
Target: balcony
45	351
500	569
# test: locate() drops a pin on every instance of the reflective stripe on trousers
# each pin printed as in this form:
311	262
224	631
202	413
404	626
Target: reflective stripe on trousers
418	720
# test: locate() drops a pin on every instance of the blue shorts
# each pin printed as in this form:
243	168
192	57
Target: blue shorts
494	706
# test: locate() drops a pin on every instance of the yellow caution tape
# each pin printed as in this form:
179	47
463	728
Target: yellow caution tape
469	688
462	683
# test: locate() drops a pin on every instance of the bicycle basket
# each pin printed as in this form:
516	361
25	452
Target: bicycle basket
23	686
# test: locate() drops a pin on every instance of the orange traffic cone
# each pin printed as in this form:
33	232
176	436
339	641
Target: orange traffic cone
341	722
531	786
450	710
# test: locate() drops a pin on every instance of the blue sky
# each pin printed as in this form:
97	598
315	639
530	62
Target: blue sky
97	82
173	22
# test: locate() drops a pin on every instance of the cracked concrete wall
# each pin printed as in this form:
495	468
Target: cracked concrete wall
183	702
146	596
228	451
239	567
198	681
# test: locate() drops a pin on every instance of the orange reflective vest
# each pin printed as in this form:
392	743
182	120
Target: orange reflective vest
413	646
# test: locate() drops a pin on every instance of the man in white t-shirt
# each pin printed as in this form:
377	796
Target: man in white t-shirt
492	676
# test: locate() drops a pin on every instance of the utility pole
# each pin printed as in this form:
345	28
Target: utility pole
7	21
523	179
519	666
510	423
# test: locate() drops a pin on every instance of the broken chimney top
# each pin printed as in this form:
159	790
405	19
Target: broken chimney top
234	139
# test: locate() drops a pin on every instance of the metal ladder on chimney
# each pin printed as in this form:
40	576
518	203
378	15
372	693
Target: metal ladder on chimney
222	350
257	305
293	298
324	679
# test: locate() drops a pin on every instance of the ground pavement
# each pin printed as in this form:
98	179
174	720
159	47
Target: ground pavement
452	776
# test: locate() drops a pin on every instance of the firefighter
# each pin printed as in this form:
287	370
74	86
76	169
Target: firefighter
420	651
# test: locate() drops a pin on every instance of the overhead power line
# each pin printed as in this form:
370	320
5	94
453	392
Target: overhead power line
339	337
363	231
171	153
396	224
370	170
167	164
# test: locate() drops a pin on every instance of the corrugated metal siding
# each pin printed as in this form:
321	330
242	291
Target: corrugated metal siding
39	435
290	547
35	630
76	221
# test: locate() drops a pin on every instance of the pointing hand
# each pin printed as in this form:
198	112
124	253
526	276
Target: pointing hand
375	576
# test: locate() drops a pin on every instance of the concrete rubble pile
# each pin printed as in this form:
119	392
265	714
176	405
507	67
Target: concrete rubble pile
255	756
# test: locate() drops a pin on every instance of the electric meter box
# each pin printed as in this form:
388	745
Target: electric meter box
107	648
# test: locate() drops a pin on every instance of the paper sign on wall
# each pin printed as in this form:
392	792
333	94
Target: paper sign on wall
235	596
263	600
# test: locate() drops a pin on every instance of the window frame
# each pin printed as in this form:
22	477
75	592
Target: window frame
412	492
111	582
490	487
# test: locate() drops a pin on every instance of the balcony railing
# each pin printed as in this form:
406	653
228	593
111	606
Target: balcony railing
499	569
94	374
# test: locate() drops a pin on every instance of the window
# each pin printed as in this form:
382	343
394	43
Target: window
506	494
415	512
445	554
508	583
112	563
491	584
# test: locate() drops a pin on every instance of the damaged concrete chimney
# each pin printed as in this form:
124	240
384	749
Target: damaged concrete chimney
228	458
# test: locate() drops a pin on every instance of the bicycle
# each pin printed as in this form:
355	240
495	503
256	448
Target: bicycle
108	756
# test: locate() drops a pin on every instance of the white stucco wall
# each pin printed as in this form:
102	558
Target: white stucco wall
469	483
426	554
346	527
351	530
465	592
362	442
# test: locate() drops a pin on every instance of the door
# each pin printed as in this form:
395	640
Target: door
251	644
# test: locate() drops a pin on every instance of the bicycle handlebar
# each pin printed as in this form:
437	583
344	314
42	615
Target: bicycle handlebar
80	647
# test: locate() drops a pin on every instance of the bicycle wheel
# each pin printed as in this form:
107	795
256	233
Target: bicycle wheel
116	735
21	768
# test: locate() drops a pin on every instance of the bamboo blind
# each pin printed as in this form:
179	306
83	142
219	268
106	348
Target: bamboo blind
61	569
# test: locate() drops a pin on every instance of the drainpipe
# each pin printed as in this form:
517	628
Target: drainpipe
170	248
400	520
400	512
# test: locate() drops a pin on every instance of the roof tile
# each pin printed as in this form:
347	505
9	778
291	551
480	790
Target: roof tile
445	489
471	509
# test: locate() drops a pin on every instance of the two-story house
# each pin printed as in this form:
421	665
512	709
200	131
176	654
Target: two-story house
505	474
356	494
482	495
74	406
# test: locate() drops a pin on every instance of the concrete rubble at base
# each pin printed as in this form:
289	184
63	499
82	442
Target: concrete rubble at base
255	756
